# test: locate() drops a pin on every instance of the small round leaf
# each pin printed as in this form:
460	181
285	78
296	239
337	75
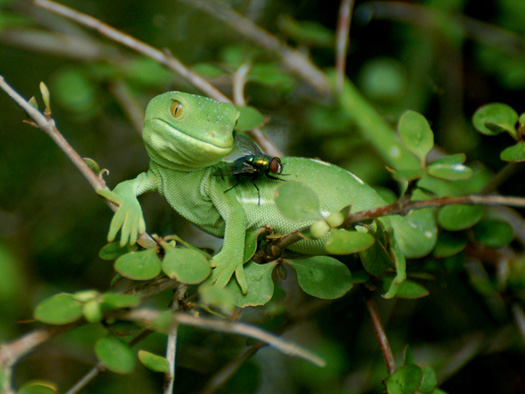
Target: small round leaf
260	285
449	244
113	251
115	301
61	308
343	241
116	355
408	290
429	380
450	172
459	217
494	233
514	153
322	276
185	265
297	201
38	387
416	134
143	265
153	362
405	380
249	119
495	118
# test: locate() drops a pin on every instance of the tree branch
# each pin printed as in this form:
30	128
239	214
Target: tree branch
147	317
401	207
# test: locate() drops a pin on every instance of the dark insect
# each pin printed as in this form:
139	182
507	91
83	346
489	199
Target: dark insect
253	164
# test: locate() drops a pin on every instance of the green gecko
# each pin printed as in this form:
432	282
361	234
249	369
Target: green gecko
187	137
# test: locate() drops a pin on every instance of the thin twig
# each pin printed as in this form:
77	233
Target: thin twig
238	83
401	207
131	107
342	39
164	58
87	378
295	60
379	330
147	317
48	125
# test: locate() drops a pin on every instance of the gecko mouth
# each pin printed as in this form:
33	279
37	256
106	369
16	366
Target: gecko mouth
189	138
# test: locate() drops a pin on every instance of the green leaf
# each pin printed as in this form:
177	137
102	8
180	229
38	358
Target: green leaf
260	285
92	311
342	241
514	153
297	201
306	32
405	380
61	308
185	265
407	290
113	250
73	90
408	175
459	217
270	74
492	119
409	356
143	265
449	244
115	301
116	355
249	119
322	276
429	380
416	233
494	233
153	362
416	134
383	79
250	243
450	172
219	297
208	70
458	158
38	387
92	164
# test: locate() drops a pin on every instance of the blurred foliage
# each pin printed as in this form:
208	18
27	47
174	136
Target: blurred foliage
446	59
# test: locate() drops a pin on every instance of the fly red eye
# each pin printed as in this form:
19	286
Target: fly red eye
275	165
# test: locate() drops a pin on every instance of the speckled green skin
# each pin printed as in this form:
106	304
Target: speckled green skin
184	154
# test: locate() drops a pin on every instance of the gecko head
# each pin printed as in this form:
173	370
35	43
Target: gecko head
185	131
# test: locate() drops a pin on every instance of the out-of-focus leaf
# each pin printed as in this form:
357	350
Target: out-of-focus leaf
297	201
495	118
153	362
61	308
449	244
459	217
514	153
38	387
405	380
116	355
494	233
249	119
408	289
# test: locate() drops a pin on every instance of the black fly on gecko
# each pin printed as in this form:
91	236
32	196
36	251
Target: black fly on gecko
253	164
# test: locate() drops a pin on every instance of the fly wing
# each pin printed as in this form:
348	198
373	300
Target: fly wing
246	146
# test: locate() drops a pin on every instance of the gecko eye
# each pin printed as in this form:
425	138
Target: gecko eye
176	109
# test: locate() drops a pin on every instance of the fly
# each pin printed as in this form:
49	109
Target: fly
253	164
